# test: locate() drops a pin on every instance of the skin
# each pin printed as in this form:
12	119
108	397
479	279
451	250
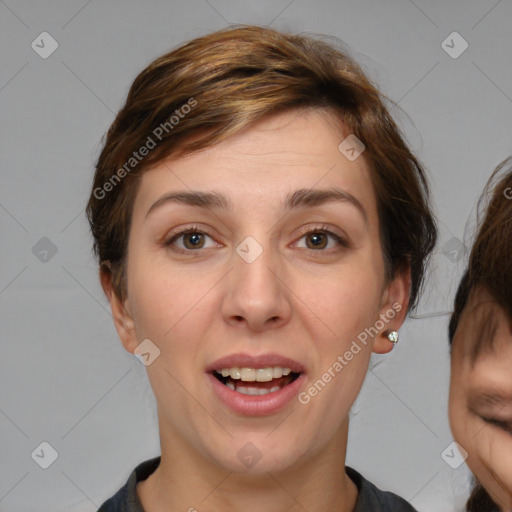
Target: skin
295	299
482	427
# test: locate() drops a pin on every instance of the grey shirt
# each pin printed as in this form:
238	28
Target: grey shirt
369	499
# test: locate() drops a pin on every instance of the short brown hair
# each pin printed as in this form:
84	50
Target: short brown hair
490	260
236	76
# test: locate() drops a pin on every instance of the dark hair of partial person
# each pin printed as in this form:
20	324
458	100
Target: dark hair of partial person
480	501
240	75
490	259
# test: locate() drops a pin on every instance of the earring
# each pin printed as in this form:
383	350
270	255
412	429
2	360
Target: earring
391	336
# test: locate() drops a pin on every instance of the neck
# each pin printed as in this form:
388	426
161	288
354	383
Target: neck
185	480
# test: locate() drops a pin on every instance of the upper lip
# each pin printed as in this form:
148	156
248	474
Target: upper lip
242	360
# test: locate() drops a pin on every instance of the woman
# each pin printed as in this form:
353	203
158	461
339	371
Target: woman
261	228
480	335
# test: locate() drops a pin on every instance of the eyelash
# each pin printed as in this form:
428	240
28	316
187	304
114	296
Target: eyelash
195	229
504	425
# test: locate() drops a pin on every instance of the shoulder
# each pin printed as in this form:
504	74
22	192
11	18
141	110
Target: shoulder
372	499
126	498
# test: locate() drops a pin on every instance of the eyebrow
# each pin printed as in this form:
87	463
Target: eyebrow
300	198
489	397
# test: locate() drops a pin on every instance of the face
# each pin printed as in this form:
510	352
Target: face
481	396
269	279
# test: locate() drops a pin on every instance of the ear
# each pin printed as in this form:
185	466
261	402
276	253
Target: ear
121	313
395	301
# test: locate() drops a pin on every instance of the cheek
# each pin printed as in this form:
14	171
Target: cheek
490	461
501	464
346	304
166	300
343	337
463	424
456	411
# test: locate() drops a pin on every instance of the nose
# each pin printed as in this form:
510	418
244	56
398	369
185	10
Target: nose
257	294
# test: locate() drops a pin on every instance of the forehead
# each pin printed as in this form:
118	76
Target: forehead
276	155
484	330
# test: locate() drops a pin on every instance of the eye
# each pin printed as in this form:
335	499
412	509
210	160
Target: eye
192	239
318	238
502	424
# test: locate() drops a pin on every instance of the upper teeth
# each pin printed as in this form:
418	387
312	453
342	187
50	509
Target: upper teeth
253	374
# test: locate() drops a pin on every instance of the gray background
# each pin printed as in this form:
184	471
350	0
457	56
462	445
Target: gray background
65	378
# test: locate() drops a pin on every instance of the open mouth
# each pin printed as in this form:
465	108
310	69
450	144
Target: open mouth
252	381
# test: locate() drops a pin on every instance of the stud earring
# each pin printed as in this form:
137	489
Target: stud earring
391	336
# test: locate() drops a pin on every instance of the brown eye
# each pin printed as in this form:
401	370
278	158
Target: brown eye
318	239
192	239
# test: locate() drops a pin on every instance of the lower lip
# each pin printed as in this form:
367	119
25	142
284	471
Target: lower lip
256	405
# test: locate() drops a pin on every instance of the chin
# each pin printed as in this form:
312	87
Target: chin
256	456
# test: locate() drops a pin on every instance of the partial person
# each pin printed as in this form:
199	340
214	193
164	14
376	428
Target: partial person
480	334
